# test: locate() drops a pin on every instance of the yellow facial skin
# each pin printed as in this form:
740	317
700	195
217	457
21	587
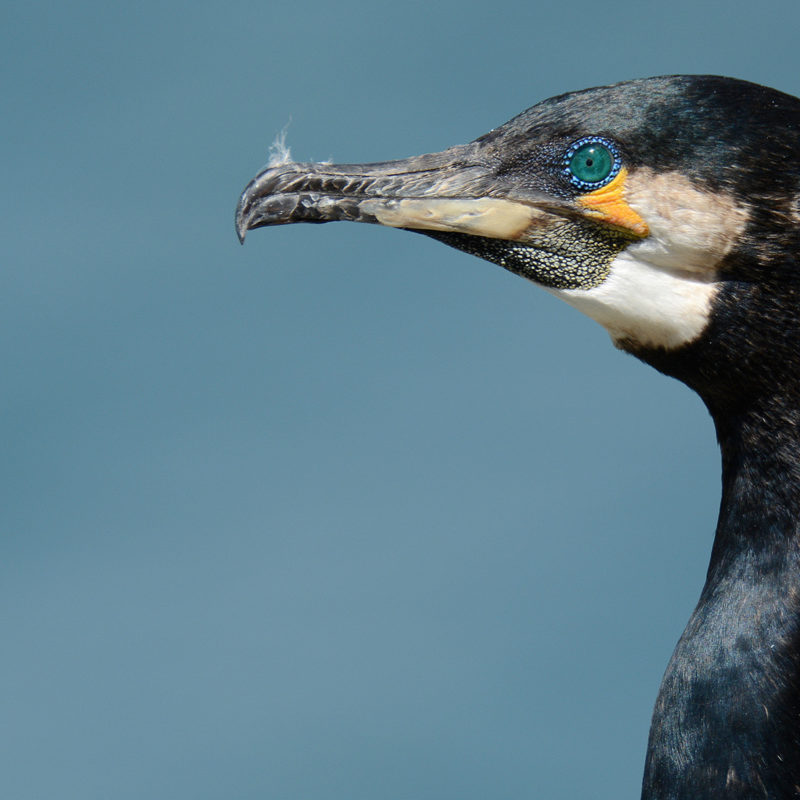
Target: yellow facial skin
608	205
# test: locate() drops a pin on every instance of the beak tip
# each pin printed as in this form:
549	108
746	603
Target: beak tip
241	219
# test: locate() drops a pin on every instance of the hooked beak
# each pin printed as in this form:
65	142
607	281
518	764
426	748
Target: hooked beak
471	197
449	192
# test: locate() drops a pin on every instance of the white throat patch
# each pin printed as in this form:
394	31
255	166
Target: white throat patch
646	304
659	290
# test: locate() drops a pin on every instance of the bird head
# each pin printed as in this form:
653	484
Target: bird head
667	209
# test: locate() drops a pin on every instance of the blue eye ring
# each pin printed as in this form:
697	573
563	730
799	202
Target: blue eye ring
612	151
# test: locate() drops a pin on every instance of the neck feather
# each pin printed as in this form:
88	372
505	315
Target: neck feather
727	719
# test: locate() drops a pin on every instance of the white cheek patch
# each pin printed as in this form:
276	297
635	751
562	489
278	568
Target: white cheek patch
659	291
649	305
691	229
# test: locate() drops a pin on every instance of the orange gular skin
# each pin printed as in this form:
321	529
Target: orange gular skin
608	205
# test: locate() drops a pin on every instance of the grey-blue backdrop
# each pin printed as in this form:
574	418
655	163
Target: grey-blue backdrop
343	513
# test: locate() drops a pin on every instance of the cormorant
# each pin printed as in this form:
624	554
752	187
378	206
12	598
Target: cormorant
667	209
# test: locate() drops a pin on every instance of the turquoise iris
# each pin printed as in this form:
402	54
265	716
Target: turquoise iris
591	162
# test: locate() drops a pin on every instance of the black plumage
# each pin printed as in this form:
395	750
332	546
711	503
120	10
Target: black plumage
687	249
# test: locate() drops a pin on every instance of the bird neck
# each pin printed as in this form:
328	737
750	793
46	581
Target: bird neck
727	719
760	509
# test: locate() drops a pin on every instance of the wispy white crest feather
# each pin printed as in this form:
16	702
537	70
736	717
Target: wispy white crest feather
279	152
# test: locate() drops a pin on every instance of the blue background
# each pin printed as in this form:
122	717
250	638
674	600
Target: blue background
342	513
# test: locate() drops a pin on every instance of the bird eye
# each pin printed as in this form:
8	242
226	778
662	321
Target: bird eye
591	162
